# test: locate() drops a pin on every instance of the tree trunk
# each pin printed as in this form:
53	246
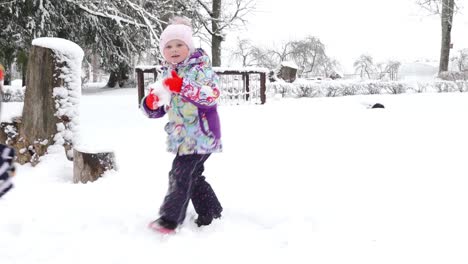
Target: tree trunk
95	67
123	75
49	115
216	50
9	57
446	22
216	38
22	61
39	122
7	75
120	76
23	76
112	80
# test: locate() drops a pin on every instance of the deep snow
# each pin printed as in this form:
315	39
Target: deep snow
313	180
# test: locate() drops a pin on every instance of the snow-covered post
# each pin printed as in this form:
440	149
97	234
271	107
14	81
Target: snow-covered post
91	165
50	112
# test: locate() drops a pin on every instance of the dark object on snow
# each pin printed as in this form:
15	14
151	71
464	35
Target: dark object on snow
377	105
7	168
334	76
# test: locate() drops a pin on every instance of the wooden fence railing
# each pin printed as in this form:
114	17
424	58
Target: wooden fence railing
235	85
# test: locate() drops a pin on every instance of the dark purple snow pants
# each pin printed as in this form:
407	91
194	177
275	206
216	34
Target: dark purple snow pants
186	182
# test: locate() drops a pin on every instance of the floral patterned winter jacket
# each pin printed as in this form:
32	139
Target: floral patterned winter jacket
193	126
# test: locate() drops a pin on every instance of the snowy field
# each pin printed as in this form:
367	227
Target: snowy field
316	180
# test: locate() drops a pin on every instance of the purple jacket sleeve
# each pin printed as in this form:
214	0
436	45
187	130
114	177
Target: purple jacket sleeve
157	113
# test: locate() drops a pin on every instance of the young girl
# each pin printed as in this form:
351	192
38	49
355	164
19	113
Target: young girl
193	128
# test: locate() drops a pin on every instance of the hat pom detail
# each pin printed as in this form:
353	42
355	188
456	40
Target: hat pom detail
180	21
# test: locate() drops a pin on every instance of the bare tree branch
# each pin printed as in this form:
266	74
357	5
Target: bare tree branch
206	8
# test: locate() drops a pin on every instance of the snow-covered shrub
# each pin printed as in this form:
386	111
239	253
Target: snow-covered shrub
280	87
13	94
303	91
445	86
351	89
333	88
396	87
372	87
422	87
453	75
462	86
304	88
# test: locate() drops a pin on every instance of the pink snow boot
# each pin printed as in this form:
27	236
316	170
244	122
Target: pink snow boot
160	227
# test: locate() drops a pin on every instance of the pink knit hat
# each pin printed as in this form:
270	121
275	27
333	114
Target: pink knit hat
180	29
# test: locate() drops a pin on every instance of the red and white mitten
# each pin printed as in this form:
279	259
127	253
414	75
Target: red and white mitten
163	94
152	100
174	83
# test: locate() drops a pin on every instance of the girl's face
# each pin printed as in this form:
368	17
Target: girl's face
175	51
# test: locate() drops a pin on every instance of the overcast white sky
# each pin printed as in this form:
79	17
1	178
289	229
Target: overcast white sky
385	29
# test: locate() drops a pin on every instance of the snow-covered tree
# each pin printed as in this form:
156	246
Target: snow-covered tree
264	58
11	38
252	55
282	53
214	17
392	69
116	30
387	70
330	67
244	52
364	65
309	55
461	60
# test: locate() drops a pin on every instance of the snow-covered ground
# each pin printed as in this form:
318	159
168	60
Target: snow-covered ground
313	180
